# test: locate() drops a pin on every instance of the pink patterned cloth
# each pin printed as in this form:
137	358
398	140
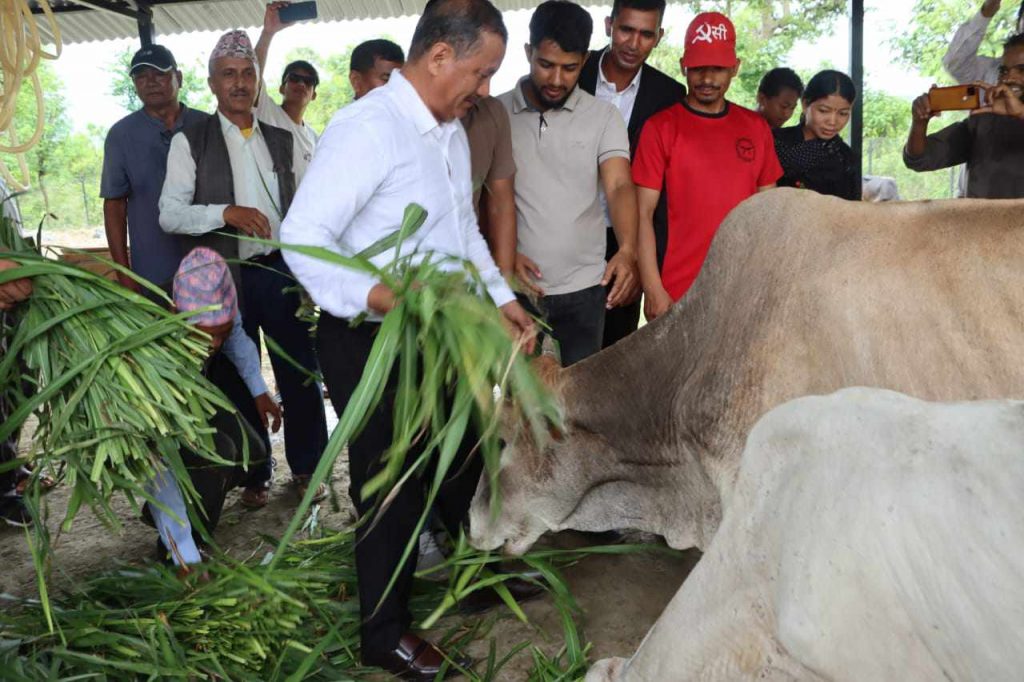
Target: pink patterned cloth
202	280
233	44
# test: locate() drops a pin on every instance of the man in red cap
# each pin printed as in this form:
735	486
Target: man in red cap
708	153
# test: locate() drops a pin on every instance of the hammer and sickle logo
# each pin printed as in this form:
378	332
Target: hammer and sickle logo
745	149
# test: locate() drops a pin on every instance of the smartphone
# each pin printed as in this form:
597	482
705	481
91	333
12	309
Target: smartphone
297	11
955	98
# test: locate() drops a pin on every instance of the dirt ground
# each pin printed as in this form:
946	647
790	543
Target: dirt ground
620	596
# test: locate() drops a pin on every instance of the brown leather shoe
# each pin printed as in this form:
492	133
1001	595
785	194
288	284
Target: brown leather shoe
486	598
414	659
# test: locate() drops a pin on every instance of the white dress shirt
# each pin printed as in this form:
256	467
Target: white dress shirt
623	101
962	60
253	177
269	111
377	156
607	91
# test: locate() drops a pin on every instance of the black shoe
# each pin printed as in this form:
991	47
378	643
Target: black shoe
415	659
486	598
14	512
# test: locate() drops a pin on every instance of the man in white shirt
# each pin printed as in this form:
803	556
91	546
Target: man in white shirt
230	174
400	144
298	90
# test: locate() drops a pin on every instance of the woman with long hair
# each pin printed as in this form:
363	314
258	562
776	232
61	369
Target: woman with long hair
812	153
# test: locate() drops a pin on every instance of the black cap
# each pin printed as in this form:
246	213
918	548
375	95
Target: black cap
156	57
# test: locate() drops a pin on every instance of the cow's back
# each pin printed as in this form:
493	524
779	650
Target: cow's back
805	294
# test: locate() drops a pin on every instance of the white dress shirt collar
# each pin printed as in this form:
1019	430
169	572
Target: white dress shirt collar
412	105
226	126
605	84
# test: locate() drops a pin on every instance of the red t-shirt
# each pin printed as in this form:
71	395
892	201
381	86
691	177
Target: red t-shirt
707	164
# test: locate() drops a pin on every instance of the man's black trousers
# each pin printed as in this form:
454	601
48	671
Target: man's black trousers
343	351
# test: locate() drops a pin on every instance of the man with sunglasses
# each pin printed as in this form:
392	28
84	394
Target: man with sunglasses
298	90
134	165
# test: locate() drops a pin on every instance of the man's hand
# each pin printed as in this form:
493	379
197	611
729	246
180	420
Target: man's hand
621	270
1001	100
272	20
14	291
381	299
656	303
265	405
527	273
921	111
128	283
520	325
249	220
989	8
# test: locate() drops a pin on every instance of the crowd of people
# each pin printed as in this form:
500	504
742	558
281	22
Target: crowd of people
596	183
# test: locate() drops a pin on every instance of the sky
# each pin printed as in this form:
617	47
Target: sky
83	67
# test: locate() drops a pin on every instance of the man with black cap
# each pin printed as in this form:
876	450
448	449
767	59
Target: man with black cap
298	90
134	165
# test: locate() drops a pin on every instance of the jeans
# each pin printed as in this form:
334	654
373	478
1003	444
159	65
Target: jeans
576	320
267	306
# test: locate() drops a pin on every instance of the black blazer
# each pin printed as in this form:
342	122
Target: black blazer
657	91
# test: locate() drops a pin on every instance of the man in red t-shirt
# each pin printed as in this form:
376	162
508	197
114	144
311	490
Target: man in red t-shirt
708	153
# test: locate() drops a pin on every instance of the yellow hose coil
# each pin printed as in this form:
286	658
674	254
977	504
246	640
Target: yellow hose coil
20	52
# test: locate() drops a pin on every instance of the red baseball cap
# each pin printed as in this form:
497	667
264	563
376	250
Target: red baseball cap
710	41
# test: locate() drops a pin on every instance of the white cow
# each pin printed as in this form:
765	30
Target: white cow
871	537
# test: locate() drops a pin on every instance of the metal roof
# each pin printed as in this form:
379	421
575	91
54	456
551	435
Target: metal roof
83	21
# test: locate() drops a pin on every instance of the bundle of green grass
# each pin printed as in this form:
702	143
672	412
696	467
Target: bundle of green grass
113	379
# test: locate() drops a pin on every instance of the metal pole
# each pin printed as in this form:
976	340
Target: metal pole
144	18
857	74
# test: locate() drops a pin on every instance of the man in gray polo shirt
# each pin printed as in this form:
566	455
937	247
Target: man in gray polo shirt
134	165
568	145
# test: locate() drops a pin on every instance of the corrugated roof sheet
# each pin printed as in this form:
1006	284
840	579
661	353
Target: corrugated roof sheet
186	16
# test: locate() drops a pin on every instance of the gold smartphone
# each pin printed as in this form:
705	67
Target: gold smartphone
954	98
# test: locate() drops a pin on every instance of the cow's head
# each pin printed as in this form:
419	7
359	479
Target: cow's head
542	484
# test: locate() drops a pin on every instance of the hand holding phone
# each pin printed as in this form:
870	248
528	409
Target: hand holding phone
297	11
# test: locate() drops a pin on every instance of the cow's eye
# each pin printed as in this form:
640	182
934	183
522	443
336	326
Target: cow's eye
501	443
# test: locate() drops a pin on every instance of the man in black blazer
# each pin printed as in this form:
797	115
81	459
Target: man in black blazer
619	74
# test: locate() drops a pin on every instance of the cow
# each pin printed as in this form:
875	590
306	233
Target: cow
870	536
801	294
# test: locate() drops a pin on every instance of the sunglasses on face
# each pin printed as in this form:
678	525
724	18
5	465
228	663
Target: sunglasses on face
308	81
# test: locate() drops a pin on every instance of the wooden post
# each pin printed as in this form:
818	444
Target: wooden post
857	74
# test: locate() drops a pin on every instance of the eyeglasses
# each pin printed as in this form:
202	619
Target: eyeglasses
308	81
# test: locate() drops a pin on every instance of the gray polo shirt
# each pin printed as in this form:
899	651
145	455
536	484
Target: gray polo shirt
134	165
561	224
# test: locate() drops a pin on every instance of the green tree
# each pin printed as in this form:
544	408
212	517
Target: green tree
766	33
334	90
922	44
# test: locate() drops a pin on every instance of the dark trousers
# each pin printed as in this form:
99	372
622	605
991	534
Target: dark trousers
222	373
233	434
621	321
576	320
267	306
343	352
